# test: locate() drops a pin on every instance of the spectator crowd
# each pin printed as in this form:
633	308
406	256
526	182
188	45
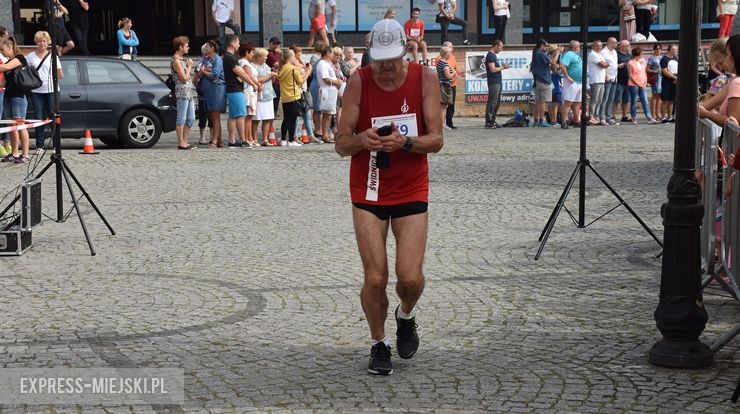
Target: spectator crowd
617	76
254	85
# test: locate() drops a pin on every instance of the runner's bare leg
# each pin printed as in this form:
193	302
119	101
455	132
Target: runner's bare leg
411	239
371	234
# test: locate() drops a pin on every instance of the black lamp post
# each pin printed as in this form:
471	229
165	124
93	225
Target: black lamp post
680	315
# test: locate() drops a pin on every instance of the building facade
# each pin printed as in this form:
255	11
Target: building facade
156	22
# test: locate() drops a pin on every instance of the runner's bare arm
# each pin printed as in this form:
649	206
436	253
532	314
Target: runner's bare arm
433	140
349	143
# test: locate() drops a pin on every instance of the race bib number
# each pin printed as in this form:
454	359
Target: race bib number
415	32
406	123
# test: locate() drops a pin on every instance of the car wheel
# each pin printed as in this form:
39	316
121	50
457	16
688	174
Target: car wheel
139	128
112	142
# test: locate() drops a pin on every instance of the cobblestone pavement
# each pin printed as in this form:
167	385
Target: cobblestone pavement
241	267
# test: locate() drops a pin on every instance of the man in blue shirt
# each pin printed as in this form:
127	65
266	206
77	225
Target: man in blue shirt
540	68
495	82
571	64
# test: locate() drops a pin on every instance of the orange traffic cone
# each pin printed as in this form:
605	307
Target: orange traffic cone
304	136
271	137
88	148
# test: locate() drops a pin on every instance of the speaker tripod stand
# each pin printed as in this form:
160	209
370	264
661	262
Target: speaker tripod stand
63	173
580	171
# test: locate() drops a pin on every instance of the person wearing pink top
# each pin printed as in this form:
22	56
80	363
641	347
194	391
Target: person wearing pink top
728	98
636	69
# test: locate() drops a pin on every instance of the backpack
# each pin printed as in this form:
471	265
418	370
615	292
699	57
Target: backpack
520	119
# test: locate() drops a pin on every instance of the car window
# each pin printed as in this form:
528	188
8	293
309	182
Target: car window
71	73
109	72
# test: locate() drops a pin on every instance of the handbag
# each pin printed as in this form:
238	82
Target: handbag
170	81
131	55
652	78
445	94
27	77
328	99
301	104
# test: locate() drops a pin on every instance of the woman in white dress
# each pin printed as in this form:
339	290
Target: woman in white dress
264	110
251	88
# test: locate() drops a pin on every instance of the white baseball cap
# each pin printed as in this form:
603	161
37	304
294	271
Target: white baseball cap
387	40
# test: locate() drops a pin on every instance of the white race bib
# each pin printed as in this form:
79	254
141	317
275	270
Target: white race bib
406	123
415	32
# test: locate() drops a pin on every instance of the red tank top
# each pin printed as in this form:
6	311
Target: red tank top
407	179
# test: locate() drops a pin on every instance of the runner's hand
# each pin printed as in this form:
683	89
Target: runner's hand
371	140
393	142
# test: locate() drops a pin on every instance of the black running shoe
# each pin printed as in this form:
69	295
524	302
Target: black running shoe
380	360
407	341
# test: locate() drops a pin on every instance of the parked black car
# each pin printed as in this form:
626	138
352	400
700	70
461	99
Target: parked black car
122	102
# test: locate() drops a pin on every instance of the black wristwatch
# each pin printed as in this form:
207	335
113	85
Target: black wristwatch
409	144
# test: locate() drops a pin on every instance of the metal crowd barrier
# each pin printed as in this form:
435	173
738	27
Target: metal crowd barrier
725	259
716	261
707	141
731	212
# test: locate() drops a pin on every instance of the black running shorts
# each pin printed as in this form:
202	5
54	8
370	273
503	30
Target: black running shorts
394	211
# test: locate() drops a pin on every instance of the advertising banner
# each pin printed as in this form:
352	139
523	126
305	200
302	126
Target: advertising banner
370	11
517	80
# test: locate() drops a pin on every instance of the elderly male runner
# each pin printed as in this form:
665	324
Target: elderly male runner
405	96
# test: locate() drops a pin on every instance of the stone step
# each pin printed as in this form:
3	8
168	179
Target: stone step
158	64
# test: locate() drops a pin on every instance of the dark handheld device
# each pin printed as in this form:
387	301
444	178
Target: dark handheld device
383	159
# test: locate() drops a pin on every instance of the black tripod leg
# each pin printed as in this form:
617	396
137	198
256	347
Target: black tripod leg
556	212
45	168
89	199
562	198
627	206
77	208
736	394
